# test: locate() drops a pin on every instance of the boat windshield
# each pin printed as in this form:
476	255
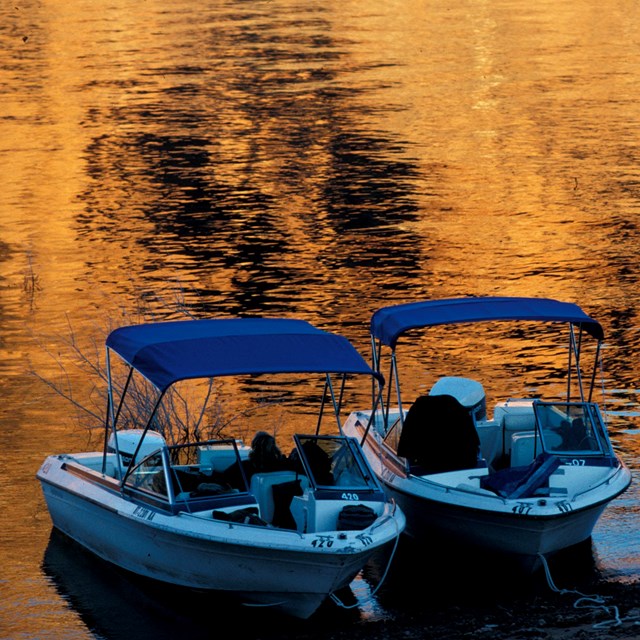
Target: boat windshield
149	476
571	427
334	461
182	474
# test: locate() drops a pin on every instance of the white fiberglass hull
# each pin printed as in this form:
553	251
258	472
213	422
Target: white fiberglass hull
512	533
287	570
452	506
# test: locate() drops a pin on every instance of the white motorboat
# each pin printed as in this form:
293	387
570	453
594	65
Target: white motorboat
529	480
287	539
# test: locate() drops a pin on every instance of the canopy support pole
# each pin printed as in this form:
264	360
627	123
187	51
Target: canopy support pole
144	433
113	416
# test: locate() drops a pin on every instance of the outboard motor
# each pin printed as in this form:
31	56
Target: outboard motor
128	441
469	393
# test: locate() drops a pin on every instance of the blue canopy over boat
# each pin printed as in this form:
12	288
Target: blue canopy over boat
166	352
389	323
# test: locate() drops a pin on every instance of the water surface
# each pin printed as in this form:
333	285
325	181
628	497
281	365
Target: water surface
297	159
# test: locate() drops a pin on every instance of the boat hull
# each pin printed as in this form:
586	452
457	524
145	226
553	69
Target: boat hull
446	507
286	570
503	533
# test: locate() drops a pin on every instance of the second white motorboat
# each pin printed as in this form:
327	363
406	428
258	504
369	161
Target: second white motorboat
531	479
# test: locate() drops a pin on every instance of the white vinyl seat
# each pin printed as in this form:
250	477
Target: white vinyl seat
262	488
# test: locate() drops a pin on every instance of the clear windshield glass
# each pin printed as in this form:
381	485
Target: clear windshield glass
334	462
191	471
570	427
149	476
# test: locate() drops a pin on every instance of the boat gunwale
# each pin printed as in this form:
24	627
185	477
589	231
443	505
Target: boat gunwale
511	514
271	531
383	450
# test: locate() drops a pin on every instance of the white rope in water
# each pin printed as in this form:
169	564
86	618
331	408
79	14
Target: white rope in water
339	602
590	602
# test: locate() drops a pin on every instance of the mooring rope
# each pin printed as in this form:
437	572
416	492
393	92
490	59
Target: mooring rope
339	602
590	602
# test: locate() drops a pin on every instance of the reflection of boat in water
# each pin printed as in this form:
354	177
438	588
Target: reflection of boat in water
527	481
288	539
115	604
463	582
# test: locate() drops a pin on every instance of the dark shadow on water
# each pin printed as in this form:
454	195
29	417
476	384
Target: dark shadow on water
421	578
116	605
437	574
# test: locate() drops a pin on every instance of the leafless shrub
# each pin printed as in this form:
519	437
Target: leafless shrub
31	282
176	418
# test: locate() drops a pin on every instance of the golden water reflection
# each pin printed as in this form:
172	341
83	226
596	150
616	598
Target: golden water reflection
309	160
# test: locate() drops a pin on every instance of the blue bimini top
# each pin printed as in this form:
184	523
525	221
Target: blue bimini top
166	352
389	323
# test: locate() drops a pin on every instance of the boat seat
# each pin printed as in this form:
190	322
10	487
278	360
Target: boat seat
274	491
524	446
439	435
514	416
